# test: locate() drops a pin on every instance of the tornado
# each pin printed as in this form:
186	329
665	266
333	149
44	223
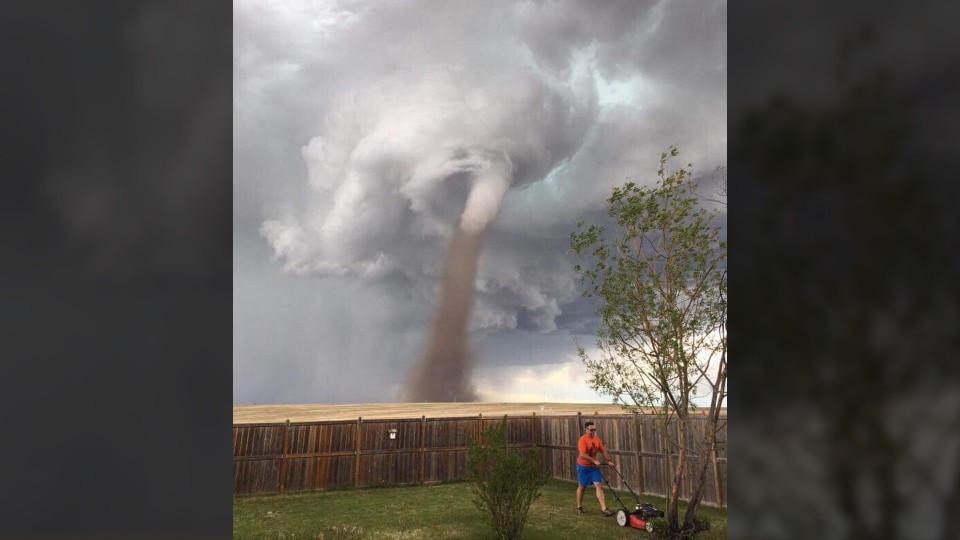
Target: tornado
443	373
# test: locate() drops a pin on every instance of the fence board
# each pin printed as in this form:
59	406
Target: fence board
386	469
260	476
451	433
447	465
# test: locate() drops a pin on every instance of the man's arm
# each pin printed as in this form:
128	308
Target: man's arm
582	448
586	457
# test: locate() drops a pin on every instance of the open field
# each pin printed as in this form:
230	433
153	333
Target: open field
254	414
441	511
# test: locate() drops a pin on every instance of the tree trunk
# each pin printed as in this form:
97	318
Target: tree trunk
676	488
708	446
700	481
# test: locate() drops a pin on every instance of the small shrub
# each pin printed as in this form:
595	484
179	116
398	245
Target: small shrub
700	524
504	481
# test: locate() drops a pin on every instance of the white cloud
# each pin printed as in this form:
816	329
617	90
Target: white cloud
556	383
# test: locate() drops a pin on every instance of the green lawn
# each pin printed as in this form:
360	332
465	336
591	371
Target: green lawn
440	511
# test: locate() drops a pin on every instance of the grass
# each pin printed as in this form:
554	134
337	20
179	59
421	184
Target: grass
438	511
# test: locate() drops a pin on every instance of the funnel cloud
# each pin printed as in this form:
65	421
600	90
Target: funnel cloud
444	372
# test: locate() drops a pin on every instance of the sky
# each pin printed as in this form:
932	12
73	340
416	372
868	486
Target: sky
358	128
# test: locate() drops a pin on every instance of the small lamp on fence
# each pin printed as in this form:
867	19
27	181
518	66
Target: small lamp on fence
392	433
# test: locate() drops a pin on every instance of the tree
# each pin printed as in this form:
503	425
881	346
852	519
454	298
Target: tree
858	296
505	481
661	275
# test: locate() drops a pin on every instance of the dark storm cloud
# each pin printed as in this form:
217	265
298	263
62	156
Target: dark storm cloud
675	42
115	273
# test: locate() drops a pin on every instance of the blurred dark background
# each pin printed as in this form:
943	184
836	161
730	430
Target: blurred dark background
843	223
115	281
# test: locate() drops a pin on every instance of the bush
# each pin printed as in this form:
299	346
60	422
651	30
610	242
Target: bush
699	525
504	481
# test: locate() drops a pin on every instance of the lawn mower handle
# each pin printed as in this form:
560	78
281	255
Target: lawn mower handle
622	479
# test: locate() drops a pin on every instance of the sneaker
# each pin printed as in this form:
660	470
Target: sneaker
579	509
607	512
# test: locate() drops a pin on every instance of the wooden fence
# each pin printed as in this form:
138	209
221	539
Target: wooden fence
305	456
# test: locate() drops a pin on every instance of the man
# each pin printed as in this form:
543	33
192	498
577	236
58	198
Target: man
589	447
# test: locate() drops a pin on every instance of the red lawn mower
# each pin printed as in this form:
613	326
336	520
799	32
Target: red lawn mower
641	515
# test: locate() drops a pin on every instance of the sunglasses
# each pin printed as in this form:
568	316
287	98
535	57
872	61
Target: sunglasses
592	429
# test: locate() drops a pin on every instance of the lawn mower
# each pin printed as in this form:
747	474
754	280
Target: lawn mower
641	515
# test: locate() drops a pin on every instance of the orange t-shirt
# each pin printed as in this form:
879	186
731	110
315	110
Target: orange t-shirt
590	447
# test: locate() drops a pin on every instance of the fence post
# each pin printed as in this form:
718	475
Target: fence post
536	432
480	428
423	448
283	457
356	462
534	438
319	470
576	436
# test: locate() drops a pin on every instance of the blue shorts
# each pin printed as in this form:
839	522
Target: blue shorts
588	475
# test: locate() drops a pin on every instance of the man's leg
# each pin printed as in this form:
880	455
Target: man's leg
579	496
600	496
